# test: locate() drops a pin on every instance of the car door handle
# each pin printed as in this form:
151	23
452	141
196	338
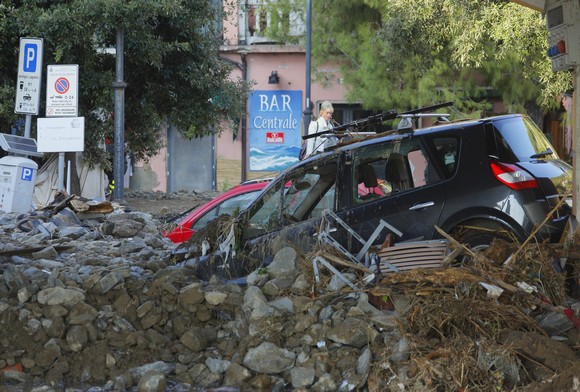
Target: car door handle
420	206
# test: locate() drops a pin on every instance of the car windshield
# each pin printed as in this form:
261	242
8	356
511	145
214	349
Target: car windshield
298	196
228	207
518	139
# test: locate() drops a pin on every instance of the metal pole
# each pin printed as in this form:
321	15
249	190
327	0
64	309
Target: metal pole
27	125
119	136
60	176
244	121
308	105
576	145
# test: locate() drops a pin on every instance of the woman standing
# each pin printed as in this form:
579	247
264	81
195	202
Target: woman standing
323	123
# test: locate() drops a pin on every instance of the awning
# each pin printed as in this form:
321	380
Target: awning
538	5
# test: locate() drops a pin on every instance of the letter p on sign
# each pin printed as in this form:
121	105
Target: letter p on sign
30	57
27	174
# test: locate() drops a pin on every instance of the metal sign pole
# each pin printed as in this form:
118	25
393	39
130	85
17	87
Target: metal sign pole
576	143
308	104
119	137
27	125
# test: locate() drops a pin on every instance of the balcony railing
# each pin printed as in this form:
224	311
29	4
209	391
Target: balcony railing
255	20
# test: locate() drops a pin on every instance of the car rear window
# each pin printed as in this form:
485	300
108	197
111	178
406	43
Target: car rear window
516	140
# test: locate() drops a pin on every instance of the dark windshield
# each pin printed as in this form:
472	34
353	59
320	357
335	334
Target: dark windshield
517	139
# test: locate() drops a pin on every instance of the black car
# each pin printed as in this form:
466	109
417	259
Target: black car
476	180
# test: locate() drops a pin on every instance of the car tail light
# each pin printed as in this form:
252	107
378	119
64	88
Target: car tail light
513	176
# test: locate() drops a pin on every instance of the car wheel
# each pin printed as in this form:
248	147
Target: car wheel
480	240
478	236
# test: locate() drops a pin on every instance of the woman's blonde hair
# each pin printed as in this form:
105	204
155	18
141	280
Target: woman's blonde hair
326	105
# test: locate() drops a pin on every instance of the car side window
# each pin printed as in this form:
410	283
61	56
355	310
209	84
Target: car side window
446	151
390	168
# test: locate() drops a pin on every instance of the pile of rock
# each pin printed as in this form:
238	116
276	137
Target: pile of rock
92	302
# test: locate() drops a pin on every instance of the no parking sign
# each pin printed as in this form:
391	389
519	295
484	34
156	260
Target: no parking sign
62	90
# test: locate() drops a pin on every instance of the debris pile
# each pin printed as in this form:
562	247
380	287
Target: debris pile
94	301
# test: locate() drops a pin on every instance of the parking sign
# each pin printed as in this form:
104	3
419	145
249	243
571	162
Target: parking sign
62	90
29	76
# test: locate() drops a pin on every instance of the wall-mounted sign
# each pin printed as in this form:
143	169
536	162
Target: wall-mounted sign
275	129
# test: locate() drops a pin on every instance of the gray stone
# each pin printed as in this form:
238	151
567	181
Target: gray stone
285	264
364	362
152	382
47	253
302	377
72	232
198	339
121	226
81	313
269	358
325	384
284	305
217	365
110	281
158	367
400	351
192	294
254	297
236	375
77	338
60	296
350	332
215	297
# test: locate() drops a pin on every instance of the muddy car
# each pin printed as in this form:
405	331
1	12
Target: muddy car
476	180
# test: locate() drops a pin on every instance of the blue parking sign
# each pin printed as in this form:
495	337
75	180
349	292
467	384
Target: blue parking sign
27	174
29	76
30	57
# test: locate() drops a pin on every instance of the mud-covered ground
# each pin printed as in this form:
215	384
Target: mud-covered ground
166	206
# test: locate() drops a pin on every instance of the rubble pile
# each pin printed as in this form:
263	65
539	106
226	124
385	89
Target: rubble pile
91	300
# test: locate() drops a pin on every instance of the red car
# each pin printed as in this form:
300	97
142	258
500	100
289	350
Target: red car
236	198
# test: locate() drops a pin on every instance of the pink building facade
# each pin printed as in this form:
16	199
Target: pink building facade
268	138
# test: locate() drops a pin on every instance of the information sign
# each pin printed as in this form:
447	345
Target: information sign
29	76
62	90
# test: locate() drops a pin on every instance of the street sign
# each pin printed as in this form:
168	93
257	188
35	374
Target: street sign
66	134
62	90
29	76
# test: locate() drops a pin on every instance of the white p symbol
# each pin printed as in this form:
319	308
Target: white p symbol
26	174
30	57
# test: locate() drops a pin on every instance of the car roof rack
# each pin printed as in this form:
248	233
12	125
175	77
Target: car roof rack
350	129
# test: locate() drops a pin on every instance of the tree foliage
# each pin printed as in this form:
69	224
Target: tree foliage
410	53
171	65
